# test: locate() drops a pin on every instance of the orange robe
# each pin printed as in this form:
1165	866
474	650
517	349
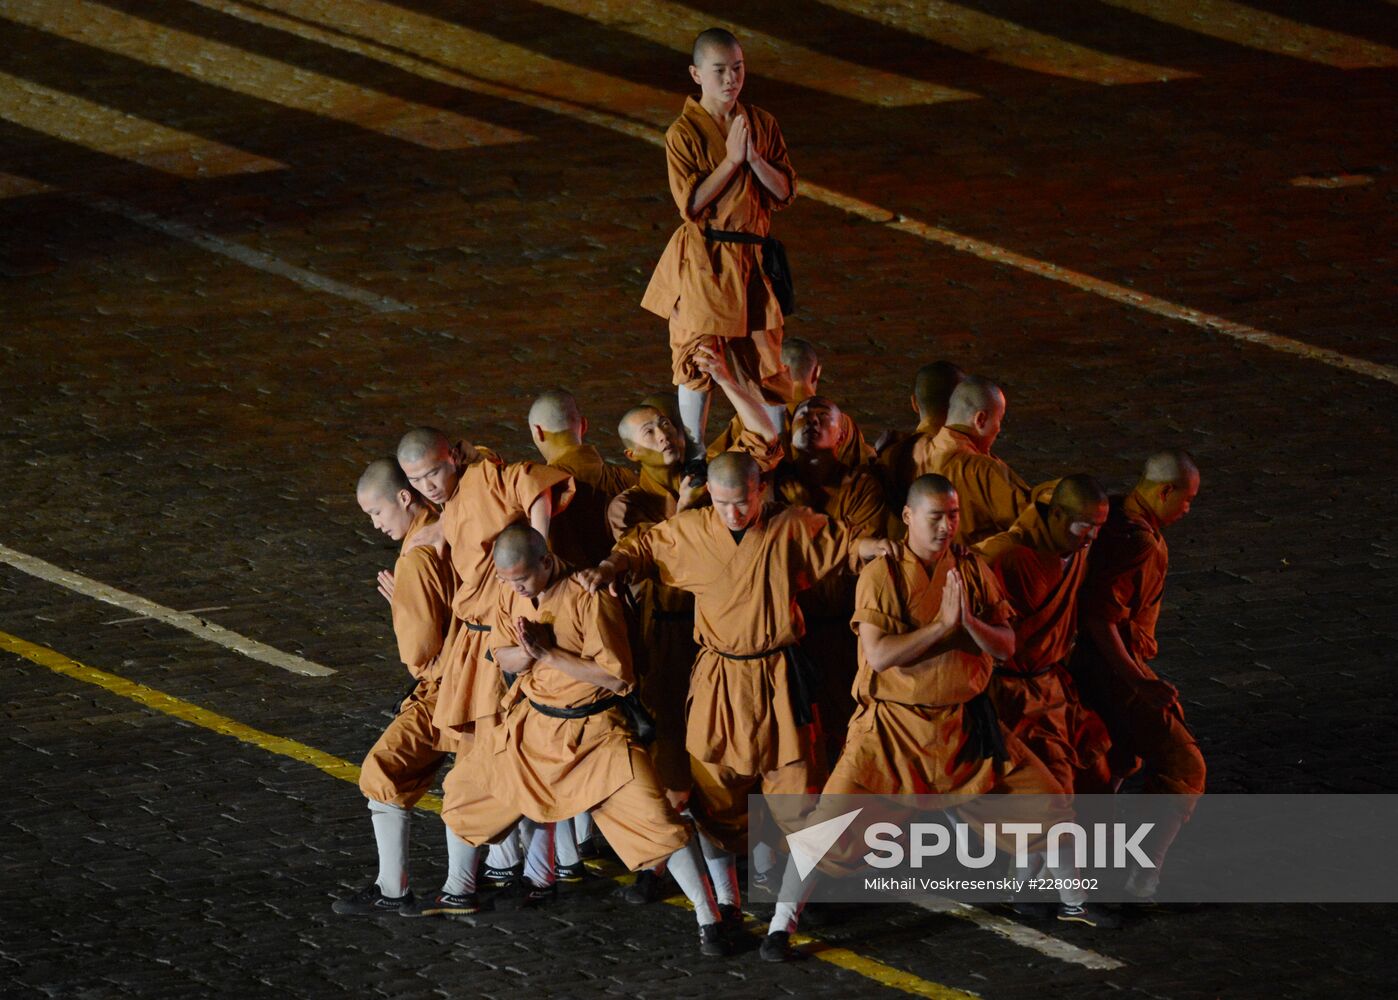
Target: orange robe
1034	691
897	466
854	451
400	767
856	499
580	535
550	769
666	648
991	495
742	732
490	496
1125	583
706	288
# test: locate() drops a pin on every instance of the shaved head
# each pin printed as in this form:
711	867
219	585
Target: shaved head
422	443
816	426
383	479
1077	493
933	386
1173	465
799	356
974	395
556	411
633	419
711	38
519	546
734	470
929	485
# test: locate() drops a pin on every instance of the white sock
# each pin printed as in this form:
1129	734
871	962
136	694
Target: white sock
778	414
538	860
763	857
1065	871
505	854
461	865
565	847
391	837
694	414
792	900
583	827
684	867
723	871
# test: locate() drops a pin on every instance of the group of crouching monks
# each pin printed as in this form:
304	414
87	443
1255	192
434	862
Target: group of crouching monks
633	650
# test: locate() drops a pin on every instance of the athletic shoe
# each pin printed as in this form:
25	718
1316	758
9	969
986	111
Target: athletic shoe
646	889
712	941
502	878
1038	912
571	873
776	947
444	904
537	895
697	471
370	902
588	849
1089	914
730	918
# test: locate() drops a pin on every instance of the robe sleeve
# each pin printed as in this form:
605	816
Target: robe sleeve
502	625
525	482
1115	581
876	601
864	508
772	147
605	640
821	546
421	607
659	552
1020	579
987	597
684	167
1007	494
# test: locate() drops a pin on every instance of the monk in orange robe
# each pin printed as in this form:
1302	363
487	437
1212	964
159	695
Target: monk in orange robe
813	476
803	362
932	388
992	496
931	620
1042	563
728	171
580	535
565	743
401	766
1119	609
750	693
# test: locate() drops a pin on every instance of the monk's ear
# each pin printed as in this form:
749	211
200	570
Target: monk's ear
907	515
405	498
912	401
537	431
815	374
630	454
694	75
457	454
582	431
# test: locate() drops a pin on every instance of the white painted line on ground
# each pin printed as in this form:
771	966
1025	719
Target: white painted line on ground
1021	935
328	32
245	255
196	627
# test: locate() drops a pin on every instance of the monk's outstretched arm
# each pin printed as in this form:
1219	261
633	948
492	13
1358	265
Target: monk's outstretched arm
1109	644
541	513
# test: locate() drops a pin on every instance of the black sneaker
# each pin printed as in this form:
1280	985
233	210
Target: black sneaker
697	471
646	889
537	895
776	947
588	849
712	941
502	878
369	902
1090	915
1039	913
571	873
444	904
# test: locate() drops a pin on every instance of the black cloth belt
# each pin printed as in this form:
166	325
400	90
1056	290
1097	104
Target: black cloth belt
641	721
577	711
800	677
476	627
774	263
672	616
984	738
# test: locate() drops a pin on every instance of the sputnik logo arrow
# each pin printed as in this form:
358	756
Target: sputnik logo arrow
810	845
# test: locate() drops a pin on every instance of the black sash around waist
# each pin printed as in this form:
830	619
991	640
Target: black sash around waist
641	721
800	677
774	262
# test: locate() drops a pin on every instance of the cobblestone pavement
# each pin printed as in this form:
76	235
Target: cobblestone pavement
187	427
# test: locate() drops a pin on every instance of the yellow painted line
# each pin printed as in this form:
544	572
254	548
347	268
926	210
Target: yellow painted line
116	133
266	79
189	712
987	37
675	26
14	186
581	110
1258	29
186	711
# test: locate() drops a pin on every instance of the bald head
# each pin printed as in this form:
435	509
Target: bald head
932	389
382	479
930	485
423	443
1173	465
734	470
711	38
556	411
977	406
1077	493
651	437
631	421
816	426
801	358
519	547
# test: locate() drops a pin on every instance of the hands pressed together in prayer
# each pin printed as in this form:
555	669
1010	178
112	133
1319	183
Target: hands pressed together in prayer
386	585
